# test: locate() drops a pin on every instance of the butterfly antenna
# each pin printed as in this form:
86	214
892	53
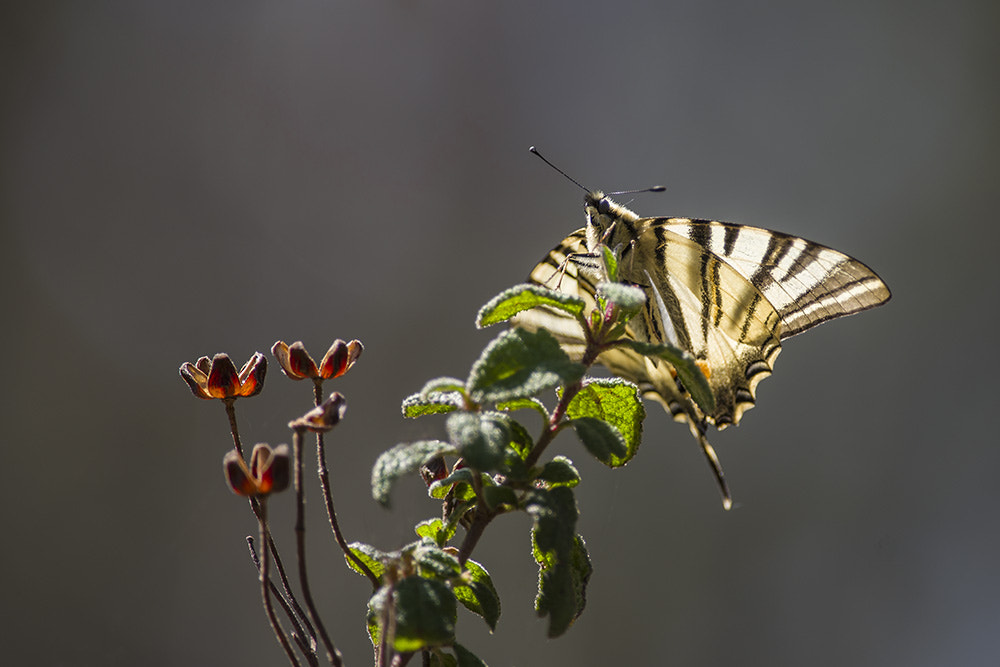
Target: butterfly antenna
655	188
567	176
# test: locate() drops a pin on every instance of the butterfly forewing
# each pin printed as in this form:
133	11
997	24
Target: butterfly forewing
806	282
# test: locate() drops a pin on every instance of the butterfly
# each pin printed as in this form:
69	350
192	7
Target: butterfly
728	294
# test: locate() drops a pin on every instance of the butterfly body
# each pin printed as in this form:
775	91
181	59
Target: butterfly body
726	293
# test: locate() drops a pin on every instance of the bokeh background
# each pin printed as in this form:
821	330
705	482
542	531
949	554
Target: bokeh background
183	178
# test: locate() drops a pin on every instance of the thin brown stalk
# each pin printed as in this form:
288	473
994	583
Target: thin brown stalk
230	404
332	654
283	577
265	590
303	641
331	513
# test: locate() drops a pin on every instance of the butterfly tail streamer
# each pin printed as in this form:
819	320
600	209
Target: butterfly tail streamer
698	431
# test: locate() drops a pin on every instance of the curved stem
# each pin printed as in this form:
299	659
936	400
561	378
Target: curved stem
324	480
265	590
332	654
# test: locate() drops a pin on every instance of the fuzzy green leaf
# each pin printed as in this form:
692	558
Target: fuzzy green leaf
522	403
433	562
418	405
601	439
426	613
560	471
629	299
467	658
690	374
376	607
462	477
481	438
520	364
479	596
499	495
510	302
401	460
562	575
369	555
441	659
610	263
435	530
442	385
616	402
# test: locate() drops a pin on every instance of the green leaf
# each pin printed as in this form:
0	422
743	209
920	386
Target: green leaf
436	530
467	658
688	372
520	364
433	562
627	298
418	405
479	596
610	263
510	302
559	472
601	439
458	511
562	578
426	612
441	659
376	607
462	477
370	556
481	438
522	403
400	460
616	402
499	495
442	385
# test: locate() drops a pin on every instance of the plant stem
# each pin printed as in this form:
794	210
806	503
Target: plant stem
324	481
555	420
388	623
298	635
332	654
283	575
231	413
265	590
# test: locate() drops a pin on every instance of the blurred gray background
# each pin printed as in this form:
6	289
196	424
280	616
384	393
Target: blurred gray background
183	178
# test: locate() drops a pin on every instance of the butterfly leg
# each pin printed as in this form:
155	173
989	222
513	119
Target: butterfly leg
698	431
586	260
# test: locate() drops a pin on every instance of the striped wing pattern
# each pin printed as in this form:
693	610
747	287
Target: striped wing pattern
726	293
807	283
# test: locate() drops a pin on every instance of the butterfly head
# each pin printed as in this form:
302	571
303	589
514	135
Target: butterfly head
608	222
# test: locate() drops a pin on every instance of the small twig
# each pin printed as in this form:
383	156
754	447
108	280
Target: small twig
332	654
265	591
298	636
